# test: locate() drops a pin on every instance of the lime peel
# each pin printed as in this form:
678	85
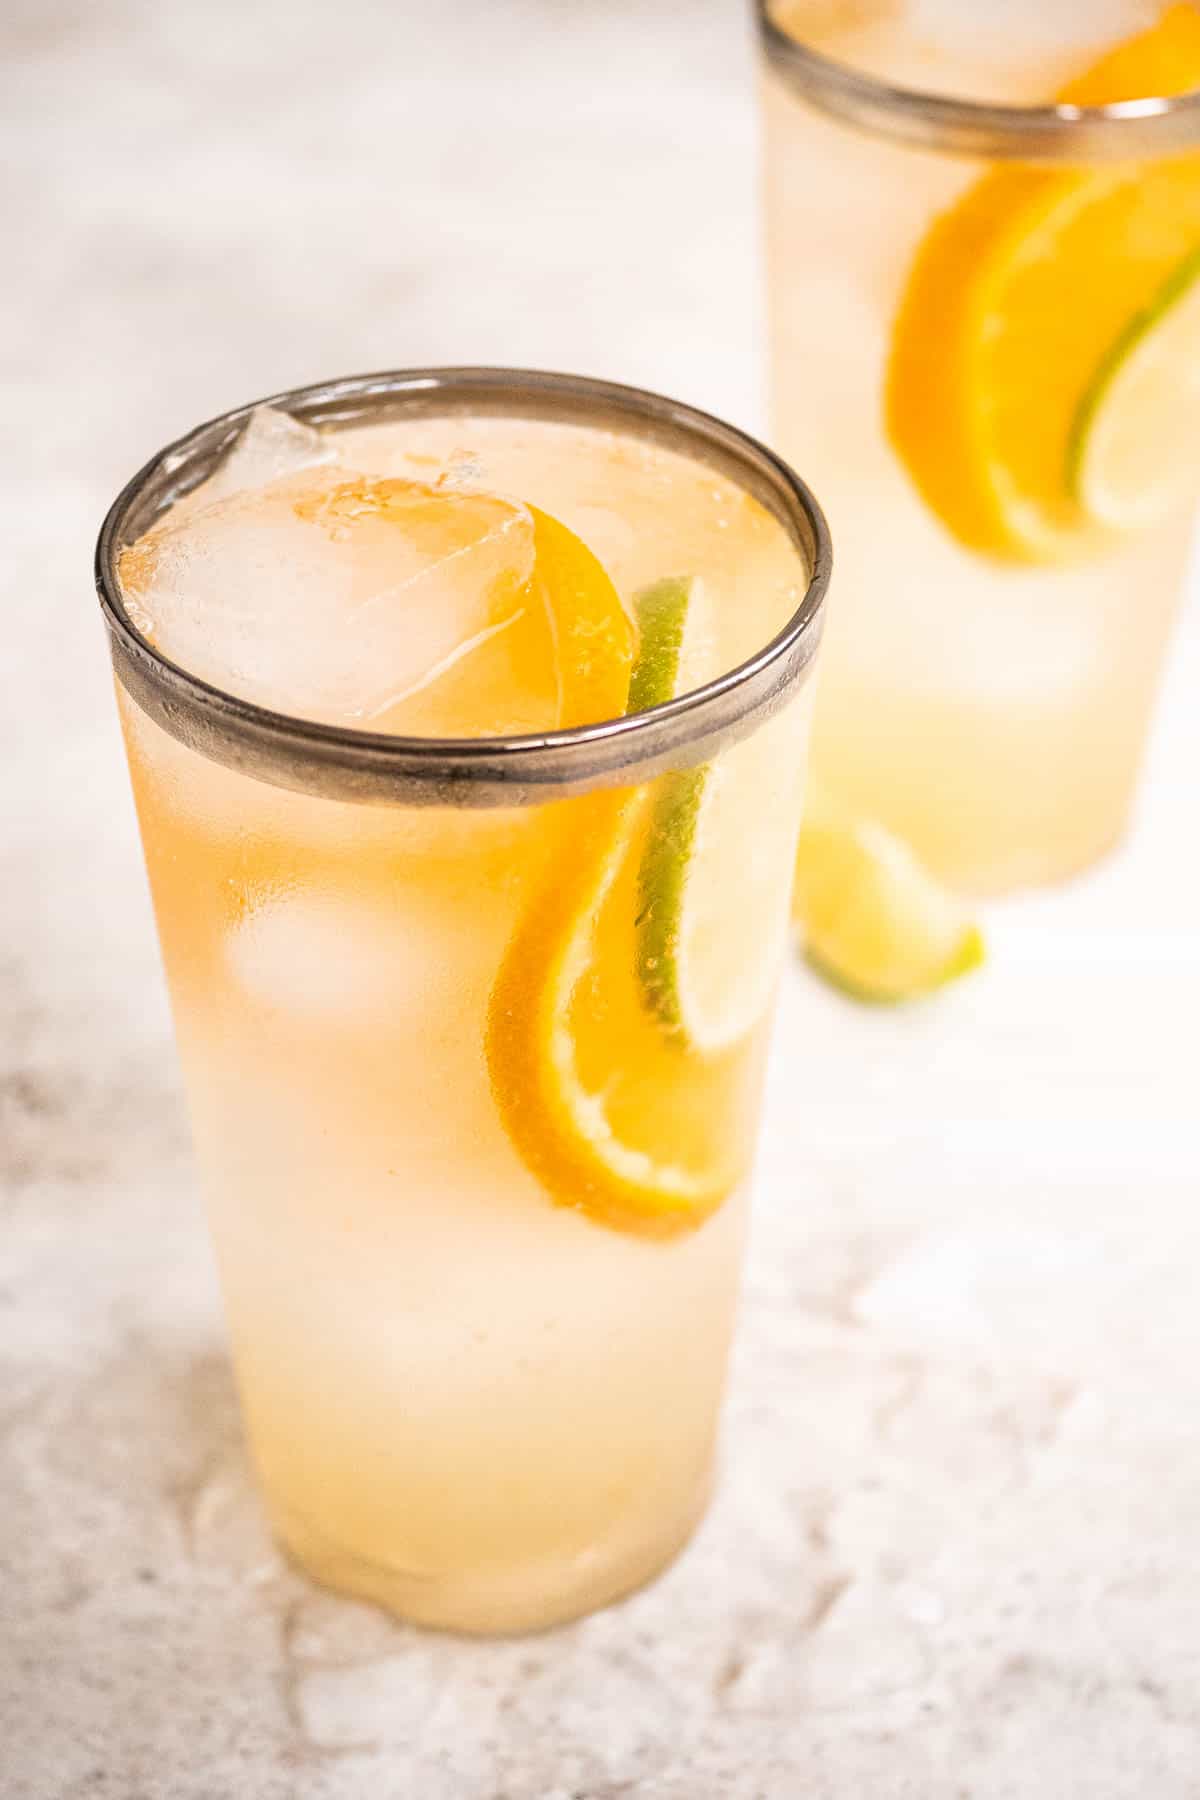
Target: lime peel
661	882
713	877
668	621
666	663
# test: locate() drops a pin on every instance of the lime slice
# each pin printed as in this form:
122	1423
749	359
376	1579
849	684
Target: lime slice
672	618
1131	459
874	921
713	878
675	641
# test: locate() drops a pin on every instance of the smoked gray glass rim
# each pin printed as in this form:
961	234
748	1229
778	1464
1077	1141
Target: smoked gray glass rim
342	763
1129	131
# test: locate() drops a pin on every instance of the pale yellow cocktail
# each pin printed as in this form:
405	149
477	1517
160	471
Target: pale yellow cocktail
472	1002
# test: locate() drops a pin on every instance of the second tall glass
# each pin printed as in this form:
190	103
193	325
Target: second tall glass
986	344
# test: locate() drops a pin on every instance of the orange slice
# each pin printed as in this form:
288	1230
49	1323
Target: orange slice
614	1108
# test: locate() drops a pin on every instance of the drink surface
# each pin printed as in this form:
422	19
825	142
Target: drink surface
386	577
1006	52
473	1090
1005	362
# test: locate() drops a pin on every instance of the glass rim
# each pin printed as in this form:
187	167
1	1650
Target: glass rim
1127	130
342	762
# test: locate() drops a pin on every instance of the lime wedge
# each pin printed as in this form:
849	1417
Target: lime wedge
674	644
671	617
1131	458
873	920
713	877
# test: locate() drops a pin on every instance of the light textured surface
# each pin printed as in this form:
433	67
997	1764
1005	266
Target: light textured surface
956	1554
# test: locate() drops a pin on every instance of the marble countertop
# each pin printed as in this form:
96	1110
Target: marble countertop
955	1554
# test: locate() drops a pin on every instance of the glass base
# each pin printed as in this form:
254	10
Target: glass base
996	854
498	1602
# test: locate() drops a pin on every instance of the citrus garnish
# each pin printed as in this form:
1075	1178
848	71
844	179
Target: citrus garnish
673	623
1014	305
1136	434
592	632
675	639
872	919
612	1106
709	921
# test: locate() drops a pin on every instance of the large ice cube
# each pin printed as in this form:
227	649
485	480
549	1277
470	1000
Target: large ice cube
344	599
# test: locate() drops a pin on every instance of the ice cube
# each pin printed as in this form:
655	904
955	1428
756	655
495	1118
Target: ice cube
340	957
272	446
340	599
325	956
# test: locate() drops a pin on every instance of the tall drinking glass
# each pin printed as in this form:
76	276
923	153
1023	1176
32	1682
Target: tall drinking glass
985	317
472	1018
